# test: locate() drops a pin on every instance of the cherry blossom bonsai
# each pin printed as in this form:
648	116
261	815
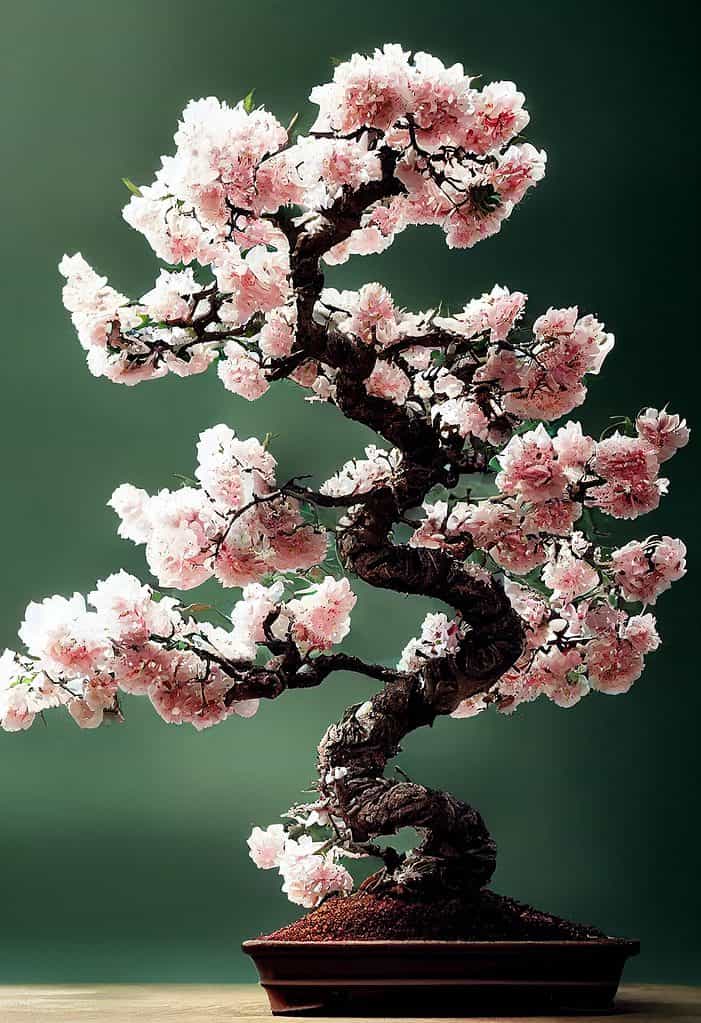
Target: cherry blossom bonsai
486	498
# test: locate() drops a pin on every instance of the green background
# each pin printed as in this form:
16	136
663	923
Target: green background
122	852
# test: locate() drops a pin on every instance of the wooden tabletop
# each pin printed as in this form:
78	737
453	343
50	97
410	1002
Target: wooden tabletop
244	1003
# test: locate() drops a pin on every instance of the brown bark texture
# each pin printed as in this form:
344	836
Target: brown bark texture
456	851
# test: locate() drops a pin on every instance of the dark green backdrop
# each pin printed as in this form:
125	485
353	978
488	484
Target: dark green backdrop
122	852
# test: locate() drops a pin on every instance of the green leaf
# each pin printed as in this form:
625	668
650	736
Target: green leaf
24	680
248	101
494	464
134	189
187	481
526	426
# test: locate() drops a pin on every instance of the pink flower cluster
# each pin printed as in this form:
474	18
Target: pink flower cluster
215	204
128	638
645	570
310	870
441	128
178	326
237	526
571	649
130	641
361	475
504	375
619	475
540	376
570	593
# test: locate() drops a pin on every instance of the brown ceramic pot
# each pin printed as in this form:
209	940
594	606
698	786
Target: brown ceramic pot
414	978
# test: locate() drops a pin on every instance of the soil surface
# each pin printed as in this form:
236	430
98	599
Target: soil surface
484	917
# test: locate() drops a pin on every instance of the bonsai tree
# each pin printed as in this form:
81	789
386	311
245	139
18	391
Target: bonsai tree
486	497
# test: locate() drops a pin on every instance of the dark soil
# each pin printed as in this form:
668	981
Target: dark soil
382	917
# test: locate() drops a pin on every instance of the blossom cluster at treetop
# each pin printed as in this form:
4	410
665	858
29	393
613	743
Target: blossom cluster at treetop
212	211
512	490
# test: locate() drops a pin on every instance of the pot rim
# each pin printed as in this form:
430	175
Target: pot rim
275	944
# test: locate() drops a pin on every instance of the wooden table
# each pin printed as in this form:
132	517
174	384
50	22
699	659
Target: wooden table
243	1003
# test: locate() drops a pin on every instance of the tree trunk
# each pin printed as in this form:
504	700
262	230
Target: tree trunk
456	851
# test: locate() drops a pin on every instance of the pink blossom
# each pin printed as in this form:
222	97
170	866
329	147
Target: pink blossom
16	711
241	373
298	547
310	879
556	517
641	633
465	224
645	570
321	617
465	416
553	672
24	692
266	847
625	459
138	669
218	144
373	316
568	576
566	349
518	553
432	530
664	432
168	300
440	635
498	116
199	358
99	692
131	505
362	474
516	170
441	100
120	369
496	311
258	282
487	522
233	470
178	545
258	603
574	449
243	556
128	611
627	500
278	183
84	715
365	92
448	384
389	382
93	304
530	468
328	165
629	468
278	333
470	707
613	664
65	636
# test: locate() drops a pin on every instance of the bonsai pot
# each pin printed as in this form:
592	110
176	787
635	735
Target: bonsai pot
415	978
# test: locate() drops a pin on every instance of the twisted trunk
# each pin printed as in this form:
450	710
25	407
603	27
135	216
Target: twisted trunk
456	851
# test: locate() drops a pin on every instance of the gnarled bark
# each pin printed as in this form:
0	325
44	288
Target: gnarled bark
456	850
